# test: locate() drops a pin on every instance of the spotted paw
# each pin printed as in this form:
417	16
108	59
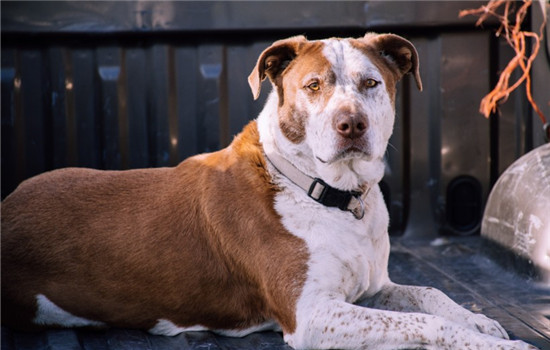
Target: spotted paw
488	326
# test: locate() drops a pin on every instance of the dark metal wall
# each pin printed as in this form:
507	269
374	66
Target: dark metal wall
118	85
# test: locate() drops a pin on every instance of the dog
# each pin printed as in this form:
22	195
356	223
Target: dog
285	229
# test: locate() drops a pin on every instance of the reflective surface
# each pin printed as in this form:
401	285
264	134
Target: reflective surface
517	215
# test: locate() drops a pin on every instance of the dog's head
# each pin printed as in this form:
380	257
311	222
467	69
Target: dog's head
335	101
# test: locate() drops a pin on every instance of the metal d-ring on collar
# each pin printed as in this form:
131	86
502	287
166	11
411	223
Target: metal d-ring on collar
359	212
319	190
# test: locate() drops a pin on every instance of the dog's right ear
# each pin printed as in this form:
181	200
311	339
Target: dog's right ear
273	61
399	53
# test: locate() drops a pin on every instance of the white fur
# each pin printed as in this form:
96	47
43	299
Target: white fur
350	65
348	257
166	327
49	314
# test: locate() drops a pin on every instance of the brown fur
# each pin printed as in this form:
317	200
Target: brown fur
286	63
130	247
309	60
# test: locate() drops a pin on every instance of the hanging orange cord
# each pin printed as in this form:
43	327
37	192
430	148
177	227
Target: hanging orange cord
516	38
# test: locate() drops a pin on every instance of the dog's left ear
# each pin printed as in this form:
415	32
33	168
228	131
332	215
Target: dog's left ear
273	61
399	52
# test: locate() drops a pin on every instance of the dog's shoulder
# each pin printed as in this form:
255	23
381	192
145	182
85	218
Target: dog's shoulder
241	166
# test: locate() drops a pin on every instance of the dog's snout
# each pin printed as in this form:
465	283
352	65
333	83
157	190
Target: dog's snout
351	126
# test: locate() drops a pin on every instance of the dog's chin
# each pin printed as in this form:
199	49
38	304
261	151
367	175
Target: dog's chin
348	154
351	172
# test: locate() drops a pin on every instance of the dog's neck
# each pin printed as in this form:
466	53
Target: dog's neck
320	191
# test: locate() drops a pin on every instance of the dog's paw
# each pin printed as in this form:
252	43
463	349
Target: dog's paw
487	325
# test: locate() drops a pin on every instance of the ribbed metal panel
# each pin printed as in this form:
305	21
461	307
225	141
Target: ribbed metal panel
119	85
114	107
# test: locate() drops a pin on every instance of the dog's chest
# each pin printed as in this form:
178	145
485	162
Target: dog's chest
348	257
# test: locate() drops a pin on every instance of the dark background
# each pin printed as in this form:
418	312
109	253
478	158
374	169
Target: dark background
120	85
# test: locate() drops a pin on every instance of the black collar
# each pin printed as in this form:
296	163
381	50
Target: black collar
319	190
329	196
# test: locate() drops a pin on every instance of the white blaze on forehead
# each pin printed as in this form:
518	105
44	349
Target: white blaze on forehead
349	63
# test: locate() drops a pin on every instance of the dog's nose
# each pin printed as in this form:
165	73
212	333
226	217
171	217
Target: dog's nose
351	126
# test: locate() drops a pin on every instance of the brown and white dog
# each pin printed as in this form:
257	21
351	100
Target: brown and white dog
284	229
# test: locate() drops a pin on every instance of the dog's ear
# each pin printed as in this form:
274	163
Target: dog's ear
399	52
273	61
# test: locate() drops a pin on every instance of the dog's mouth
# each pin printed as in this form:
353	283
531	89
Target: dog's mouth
352	152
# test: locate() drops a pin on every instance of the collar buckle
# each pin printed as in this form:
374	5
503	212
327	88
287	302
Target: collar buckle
318	190
329	196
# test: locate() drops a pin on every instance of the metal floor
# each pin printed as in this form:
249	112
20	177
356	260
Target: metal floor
454	265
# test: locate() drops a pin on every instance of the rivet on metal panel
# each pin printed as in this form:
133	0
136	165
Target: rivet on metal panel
68	84
17	83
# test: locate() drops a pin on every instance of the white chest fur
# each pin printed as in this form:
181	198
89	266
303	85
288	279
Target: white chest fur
348	257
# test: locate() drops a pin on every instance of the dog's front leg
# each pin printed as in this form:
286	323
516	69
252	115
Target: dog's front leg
428	300
336	324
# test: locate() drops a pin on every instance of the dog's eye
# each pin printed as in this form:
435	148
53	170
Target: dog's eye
314	86
370	83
